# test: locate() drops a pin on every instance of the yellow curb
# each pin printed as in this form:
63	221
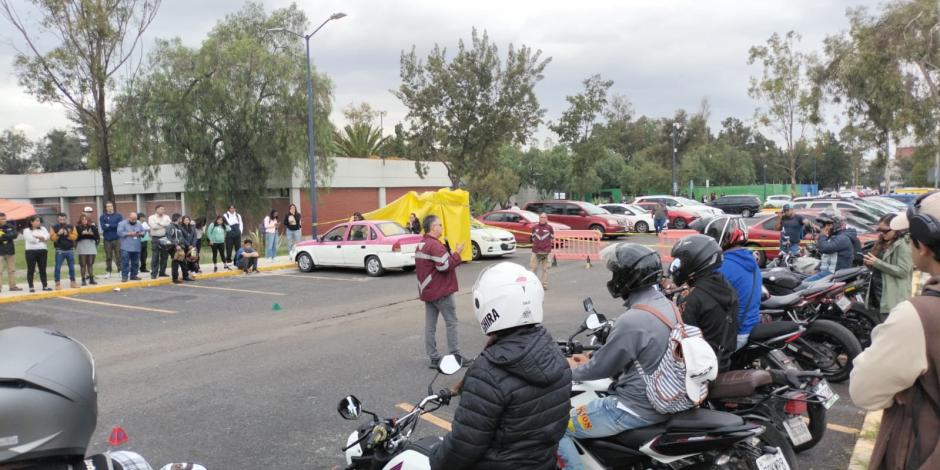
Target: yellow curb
126	285
865	444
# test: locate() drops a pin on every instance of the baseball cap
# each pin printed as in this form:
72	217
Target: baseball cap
928	204
88	210
787	206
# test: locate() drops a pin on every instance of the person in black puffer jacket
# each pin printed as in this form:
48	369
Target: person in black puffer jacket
515	397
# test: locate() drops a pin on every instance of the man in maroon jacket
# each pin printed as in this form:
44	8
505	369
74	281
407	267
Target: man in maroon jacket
436	268
543	239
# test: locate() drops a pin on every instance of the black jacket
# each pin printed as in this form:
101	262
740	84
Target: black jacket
94	235
7	237
513	407
712	305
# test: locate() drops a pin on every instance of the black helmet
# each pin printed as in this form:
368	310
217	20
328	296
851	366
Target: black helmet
48	395
728	231
827	218
633	266
693	256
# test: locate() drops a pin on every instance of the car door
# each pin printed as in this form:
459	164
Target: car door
571	216
518	226
360	241
329	251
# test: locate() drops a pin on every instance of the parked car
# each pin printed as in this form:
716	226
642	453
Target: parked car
777	200
907	199
688	205
839	204
896	204
376	245
762	234
489	241
678	219
639	219
746	205
579	216
519	222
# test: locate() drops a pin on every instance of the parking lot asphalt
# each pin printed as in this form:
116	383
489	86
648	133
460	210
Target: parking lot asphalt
246	371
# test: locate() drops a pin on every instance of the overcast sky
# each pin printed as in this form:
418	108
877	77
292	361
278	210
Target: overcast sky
663	55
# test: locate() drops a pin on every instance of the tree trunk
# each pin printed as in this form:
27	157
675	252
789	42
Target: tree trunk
793	176
104	155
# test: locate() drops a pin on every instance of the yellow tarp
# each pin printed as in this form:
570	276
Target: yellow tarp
452	206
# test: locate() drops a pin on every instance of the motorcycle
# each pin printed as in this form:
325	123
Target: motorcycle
384	443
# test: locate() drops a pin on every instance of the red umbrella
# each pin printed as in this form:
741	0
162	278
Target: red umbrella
16	210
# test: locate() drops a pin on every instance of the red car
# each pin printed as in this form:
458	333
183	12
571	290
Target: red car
580	216
762	234
518	222
678	219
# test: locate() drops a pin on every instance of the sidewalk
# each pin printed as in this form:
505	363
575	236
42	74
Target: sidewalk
105	285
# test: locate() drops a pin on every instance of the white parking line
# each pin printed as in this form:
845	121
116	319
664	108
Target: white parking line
247	291
322	278
109	304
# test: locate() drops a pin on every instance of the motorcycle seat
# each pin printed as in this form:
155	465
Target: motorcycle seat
817	287
764	331
632	438
780	301
702	419
738	383
848	273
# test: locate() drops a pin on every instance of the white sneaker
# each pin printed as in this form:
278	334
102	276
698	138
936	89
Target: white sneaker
107	275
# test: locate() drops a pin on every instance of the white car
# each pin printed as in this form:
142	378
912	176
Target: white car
489	241
638	218
688	205
777	201
375	245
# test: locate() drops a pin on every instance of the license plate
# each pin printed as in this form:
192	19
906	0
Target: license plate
844	304
825	392
797	430
773	461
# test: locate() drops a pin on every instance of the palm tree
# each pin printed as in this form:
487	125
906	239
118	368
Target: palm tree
359	140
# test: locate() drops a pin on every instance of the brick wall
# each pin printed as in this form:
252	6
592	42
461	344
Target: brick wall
150	207
336	204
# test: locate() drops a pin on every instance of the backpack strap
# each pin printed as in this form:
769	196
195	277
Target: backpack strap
661	317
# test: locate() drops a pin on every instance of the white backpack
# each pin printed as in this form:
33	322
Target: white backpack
680	381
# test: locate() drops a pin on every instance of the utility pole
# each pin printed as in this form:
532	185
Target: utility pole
675	150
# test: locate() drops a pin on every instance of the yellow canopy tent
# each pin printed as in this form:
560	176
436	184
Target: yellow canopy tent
452	206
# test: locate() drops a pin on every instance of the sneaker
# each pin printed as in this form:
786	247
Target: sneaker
144	270
215	269
73	284
466	361
46	289
189	279
32	291
15	289
107	275
92	281
227	267
434	363
164	275
136	278
123	279
83	282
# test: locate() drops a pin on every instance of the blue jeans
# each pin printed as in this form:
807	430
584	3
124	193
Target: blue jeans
598	418
293	237
742	341
68	256
130	263
270	245
660	224
815	277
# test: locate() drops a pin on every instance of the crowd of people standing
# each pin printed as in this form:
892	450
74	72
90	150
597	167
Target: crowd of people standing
171	241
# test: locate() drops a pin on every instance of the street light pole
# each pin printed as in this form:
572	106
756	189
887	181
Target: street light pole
675	150
310	136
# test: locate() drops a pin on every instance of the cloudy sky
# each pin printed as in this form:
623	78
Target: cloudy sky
663	55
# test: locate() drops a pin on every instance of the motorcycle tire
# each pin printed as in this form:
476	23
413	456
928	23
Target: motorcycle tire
829	347
816	425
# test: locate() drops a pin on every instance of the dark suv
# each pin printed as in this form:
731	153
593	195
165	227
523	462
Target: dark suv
745	205
579	216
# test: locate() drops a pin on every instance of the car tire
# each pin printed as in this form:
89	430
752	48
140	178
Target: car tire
305	262
680	224
597	228
374	266
475	251
746	213
641	227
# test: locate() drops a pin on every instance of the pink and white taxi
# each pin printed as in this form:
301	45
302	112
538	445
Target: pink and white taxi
375	245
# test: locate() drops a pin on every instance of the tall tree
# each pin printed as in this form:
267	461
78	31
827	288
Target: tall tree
232	112
786	91
576	129
60	150
546	170
97	40
15	149
359	140
462	111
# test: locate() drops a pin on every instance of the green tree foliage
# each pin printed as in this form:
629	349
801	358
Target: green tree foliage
232	113
95	45
358	140
496	187
831	161
15	149
576	129
60	150
645	175
546	170
462	111
720	163
788	96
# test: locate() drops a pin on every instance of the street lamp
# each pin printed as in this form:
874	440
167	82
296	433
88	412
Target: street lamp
675	150
313	161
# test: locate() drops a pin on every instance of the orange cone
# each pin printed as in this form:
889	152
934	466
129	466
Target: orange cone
118	436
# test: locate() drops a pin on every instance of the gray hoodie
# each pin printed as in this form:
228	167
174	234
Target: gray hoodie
637	336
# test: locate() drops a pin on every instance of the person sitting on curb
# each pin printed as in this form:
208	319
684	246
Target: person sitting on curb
247	258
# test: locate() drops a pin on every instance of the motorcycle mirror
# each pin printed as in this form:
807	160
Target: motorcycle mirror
449	365
588	305
350	408
595	321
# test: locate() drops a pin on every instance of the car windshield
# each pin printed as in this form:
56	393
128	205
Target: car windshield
591	209
391	228
529	216
892	203
872	209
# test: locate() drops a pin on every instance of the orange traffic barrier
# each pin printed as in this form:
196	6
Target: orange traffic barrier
578	244
668	238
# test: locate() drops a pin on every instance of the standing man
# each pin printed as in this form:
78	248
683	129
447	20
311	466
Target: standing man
158	223
112	243
793	226
8	251
543	240
900	372
130	231
436	268
233	237
63	238
660	217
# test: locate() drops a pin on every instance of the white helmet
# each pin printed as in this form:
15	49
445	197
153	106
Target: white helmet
505	296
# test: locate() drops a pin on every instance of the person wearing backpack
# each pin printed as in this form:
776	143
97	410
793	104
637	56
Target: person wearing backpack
710	302
900	372
638	340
